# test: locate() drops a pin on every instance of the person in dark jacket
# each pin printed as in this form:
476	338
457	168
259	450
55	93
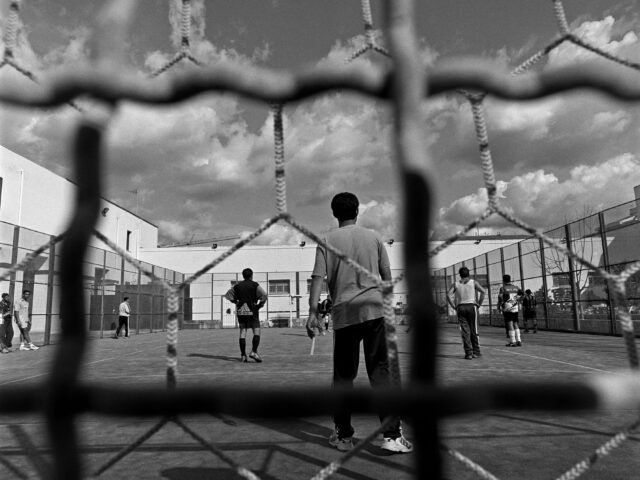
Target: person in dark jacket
249	297
529	304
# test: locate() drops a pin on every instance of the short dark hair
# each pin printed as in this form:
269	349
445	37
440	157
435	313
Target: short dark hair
126	298
506	278
5	295
345	206
527	291
26	290
247	273
464	272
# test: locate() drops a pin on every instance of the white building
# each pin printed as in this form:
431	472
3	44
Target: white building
35	198
285	273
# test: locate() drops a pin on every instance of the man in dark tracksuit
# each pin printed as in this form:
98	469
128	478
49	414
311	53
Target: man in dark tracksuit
249	298
6	330
529	311
463	298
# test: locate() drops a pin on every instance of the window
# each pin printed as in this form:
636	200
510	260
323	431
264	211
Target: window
324	289
279	287
129	240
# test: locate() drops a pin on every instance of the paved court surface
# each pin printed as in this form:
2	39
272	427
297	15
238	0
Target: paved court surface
509	444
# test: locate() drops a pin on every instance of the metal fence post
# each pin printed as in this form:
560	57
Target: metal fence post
50	280
213	302
139	291
572	280
104	273
486	263
520	265
545	291
607	267
14	260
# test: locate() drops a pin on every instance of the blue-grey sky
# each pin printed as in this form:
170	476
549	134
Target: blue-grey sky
204	168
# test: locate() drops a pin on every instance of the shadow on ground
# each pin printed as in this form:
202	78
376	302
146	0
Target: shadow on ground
215	357
202	473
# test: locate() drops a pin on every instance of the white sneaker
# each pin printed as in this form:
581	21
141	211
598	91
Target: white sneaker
33	347
24	347
397	445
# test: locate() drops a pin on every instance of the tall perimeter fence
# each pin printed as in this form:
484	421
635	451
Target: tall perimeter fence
570	295
404	83
106	279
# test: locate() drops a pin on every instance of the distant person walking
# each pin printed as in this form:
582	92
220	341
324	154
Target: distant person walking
465	297
249	297
124	312
6	329
508	303
529	304
23	321
324	309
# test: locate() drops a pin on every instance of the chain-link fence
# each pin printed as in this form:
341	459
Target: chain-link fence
405	85
106	280
569	296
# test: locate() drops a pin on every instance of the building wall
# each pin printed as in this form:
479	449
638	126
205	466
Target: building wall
287	258
291	264
38	199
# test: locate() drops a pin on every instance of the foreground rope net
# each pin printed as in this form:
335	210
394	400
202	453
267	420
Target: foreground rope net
405	86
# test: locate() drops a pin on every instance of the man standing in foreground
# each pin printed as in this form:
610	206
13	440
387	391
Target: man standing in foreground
249	297
357	315
465	297
124	311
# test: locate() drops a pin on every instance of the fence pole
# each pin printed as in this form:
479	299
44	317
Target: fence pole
607	267
520	266
139	291
102	282
14	260
572	280
486	263
545	290
50	280
213	304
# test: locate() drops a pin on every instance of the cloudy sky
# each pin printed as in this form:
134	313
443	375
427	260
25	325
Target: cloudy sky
204	168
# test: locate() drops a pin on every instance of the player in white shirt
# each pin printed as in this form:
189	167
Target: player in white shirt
465	297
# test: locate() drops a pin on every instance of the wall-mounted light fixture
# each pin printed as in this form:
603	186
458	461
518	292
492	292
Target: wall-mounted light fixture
214	246
390	241
105	211
303	243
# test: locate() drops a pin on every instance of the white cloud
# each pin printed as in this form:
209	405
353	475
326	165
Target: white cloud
533	120
543	200
277	234
383	217
599	33
174	230
605	123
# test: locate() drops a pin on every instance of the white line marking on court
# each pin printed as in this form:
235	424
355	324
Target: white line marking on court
87	364
556	361
244	373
